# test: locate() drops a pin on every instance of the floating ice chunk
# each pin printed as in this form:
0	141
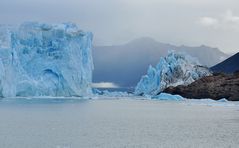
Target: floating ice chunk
222	100
166	96
211	103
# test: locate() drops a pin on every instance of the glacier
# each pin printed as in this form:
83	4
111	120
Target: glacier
38	59
172	70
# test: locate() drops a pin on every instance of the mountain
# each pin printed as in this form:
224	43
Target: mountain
230	65
125	64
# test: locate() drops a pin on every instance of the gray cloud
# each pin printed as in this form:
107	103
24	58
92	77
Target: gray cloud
208	21
226	21
118	21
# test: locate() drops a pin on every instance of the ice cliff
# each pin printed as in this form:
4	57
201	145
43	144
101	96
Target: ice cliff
173	70
45	60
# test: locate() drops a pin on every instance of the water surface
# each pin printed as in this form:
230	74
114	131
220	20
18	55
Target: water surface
121	123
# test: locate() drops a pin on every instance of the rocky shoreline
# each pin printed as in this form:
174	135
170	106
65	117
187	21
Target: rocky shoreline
216	87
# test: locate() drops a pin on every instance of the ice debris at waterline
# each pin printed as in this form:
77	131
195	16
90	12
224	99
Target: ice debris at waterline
173	70
45	60
166	96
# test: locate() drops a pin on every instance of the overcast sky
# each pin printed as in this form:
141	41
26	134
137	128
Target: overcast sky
189	22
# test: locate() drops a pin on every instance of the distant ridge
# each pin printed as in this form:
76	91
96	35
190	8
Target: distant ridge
125	64
230	65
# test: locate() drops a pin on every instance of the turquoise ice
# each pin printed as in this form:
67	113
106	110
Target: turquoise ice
39	59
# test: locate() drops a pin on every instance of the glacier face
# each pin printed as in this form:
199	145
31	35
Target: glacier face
173	70
45	60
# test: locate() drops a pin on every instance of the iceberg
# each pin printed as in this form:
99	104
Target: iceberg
173	70
166	96
38	59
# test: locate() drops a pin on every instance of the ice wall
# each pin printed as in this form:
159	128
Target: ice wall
45	60
173	70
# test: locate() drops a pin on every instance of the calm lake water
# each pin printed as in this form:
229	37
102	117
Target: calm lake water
119	123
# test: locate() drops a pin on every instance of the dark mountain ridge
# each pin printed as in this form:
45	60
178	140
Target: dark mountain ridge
230	65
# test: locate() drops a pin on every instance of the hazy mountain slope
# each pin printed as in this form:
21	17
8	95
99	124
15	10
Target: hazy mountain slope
125	64
230	65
